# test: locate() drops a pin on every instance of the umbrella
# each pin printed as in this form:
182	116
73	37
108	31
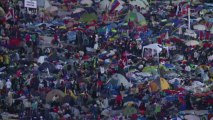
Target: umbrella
104	4
199	27
88	17
41	59
150	69
210	58
86	2
2	12
192	117
129	110
144	74
46	65
68	99
139	3
171	74
178	57
192	43
54	92
78	10
136	17
130	100
52	9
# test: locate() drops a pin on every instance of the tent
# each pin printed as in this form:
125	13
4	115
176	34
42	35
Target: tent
159	84
155	47
117	79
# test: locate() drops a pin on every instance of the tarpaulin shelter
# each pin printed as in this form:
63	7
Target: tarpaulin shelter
117	79
159	84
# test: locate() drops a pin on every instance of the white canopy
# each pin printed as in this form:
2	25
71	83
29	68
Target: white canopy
155	47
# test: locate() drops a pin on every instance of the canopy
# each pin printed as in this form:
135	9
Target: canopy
159	84
117	79
192	43
155	47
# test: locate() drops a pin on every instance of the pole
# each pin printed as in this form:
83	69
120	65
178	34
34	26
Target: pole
189	19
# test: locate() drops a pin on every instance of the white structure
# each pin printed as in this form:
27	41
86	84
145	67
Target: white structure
155	48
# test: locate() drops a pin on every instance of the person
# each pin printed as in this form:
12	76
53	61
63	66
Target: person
119	100
8	84
122	89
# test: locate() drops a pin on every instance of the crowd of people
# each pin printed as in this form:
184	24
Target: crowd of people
108	75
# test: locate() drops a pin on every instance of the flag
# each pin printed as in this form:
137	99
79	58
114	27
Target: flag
10	14
115	4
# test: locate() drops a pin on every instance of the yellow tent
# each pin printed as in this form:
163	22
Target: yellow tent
161	84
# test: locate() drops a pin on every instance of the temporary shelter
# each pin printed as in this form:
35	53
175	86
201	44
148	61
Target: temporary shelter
117	79
159	84
155	48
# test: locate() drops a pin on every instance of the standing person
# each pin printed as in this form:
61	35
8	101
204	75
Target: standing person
119	100
8	84
122	90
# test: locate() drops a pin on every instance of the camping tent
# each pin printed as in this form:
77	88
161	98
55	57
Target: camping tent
159	84
117	79
155	47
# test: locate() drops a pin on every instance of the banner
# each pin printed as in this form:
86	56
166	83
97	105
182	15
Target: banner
30	3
